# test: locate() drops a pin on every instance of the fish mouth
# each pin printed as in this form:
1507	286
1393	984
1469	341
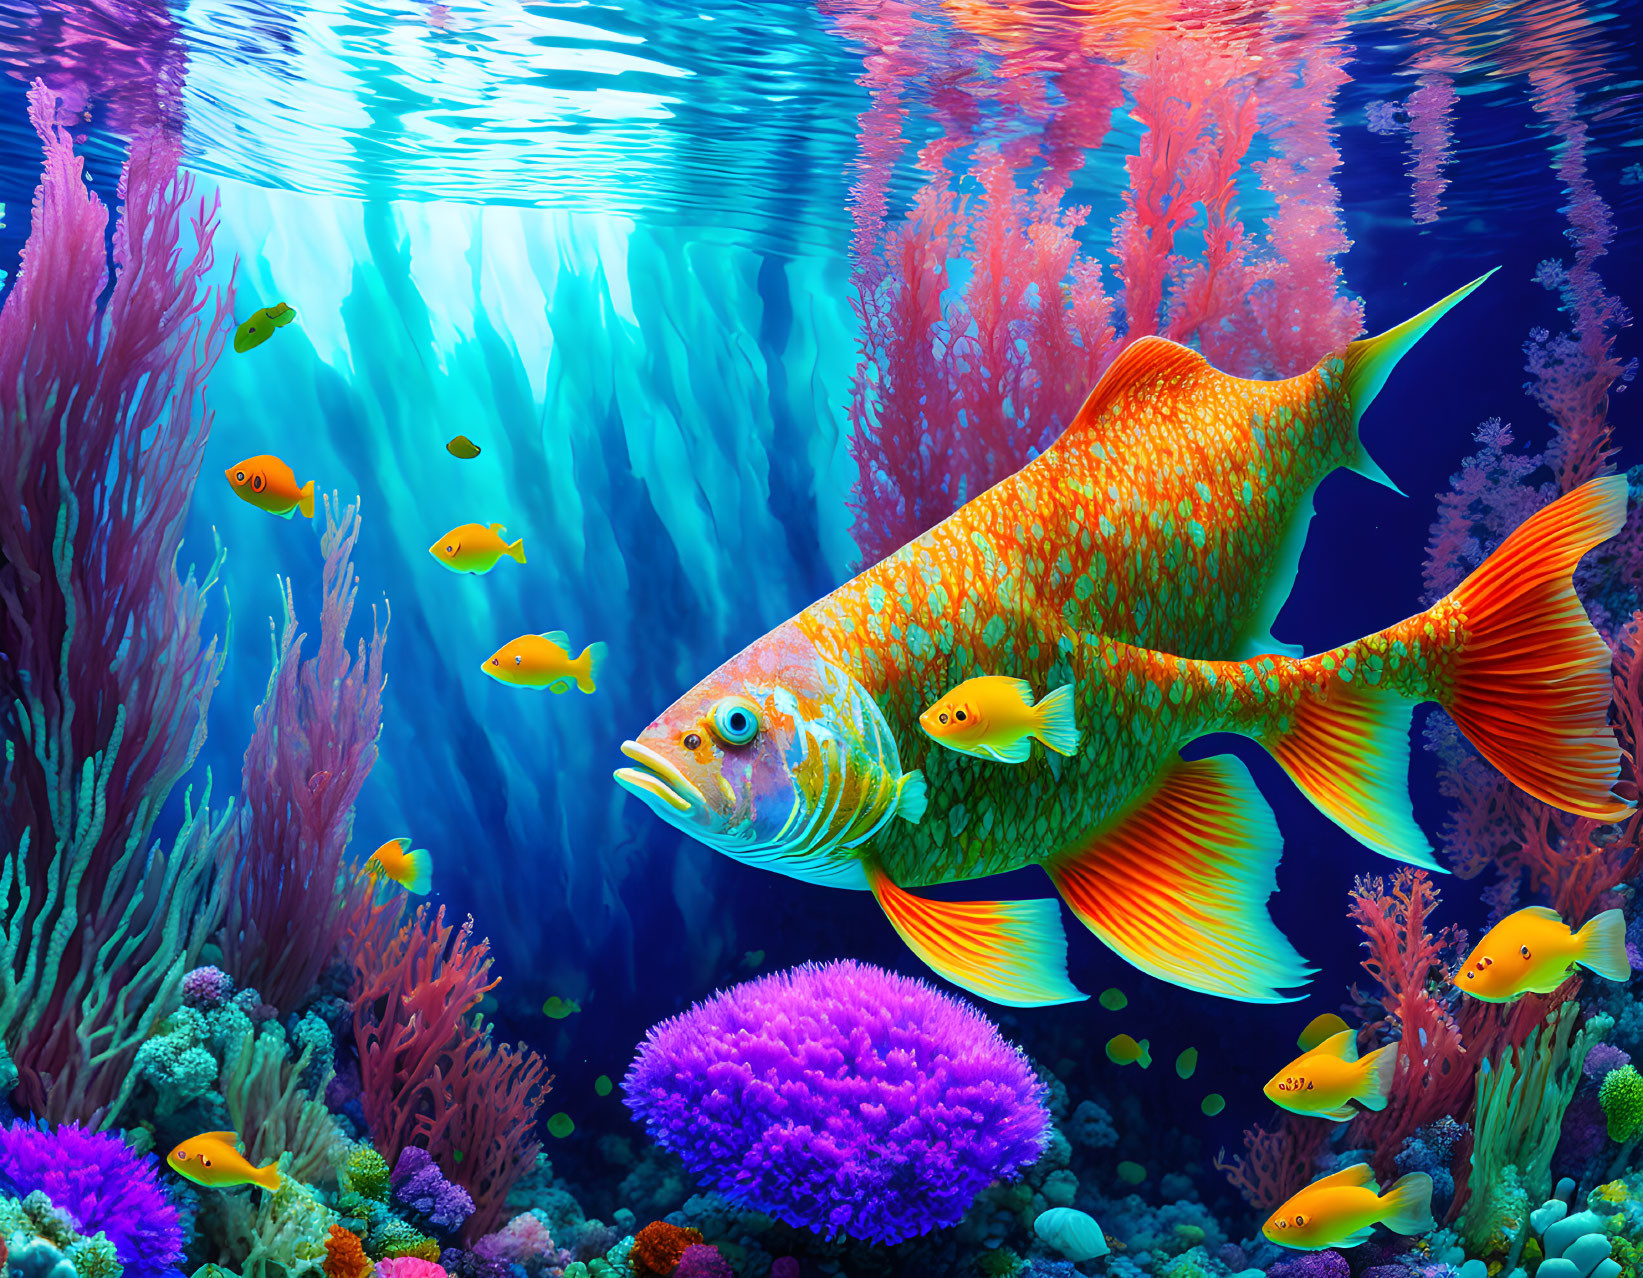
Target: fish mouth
663	784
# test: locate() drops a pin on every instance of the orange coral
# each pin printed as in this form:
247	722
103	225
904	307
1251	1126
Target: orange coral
657	1248
344	1256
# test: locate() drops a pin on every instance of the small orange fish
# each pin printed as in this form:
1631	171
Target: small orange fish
1342	1210
475	548
993	717
411	868
214	1159
1323	1081
1534	951
544	661
269	484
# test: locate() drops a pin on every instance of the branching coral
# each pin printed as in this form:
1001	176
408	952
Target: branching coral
1278	1163
106	678
313	747
840	1098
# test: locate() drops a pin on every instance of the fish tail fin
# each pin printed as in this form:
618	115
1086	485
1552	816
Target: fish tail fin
305	500
517	550
1055	724
1380	1068
422	872
1529	680
268	1177
1370	361
1145	1059
589	664
1009	952
1603	946
912	796
1408	1205
1348	752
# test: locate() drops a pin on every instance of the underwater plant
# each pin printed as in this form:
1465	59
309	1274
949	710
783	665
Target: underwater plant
106	678
840	1098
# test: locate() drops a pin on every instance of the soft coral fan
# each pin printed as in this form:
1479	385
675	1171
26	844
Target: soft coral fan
106	678
841	1098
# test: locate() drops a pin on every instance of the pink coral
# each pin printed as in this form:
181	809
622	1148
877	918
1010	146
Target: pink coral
1276	1163
410	1267
702	1260
522	1239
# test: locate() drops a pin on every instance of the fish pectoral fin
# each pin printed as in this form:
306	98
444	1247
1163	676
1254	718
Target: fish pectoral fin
1339	1115
559	686
1356	1239
1178	885
1009	952
1016	752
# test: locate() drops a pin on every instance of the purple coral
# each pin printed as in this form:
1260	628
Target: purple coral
207	987
96	1178
1602	1058
702	1260
840	1098
1312	1264
524	1240
421	1186
785	1267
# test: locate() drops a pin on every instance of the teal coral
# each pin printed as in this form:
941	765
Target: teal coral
1622	1099
176	1062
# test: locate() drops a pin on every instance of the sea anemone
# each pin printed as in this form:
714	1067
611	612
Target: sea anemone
841	1098
97	1179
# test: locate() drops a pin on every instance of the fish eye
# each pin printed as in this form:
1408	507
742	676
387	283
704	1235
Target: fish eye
181	1155
239	476
1524	951
450	550
517	658
256	483
495	662
204	1161
735	721
693	741
1471	976
1299	1221
1309	1084
960	716
944	718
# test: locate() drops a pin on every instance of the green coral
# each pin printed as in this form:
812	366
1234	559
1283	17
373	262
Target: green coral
392	1237
95	1258
999	1263
365	1172
1621	1096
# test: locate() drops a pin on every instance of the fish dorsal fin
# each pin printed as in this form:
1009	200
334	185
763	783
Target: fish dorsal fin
232	1138
1022	689
1541	912
559	637
1324	1025
1342	1046
1357	1174
497	529
404	841
1145	368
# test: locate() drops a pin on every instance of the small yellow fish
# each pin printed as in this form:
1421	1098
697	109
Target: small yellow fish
411	868
463	447
1534	951
993	717
214	1159
1324	1025
544	661
1342	1210
260	327
475	548
1124	1050
269	484
1320	1083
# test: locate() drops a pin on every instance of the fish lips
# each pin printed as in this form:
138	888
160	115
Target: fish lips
662	786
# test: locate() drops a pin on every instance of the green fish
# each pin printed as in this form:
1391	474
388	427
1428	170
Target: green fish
1140	561
559	1008
260	327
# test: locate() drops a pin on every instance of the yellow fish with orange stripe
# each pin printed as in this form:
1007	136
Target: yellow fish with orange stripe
1533	951
1323	1081
214	1159
396	860
1342	1210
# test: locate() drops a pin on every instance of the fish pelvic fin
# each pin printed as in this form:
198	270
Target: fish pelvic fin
1530	682
1603	946
912	796
1009	952
1348	750
1380	1069
305	500
1055	724
517	550
1408	1205
1178	886
268	1177
1370	361
421	876
588	665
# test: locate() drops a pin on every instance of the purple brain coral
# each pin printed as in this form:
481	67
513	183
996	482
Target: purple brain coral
840	1098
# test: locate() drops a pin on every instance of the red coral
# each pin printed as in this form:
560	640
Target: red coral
1276	1164
431	1077
659	1246
345	1256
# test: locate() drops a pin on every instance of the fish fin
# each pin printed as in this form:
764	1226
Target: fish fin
1340	1115
1009	952
1370	361
497	529
1342	1046
268	1177
404	841
1022	689
1549	980
233	1138
1603	946
286	514
1348	751
1355	1239
1380	1069
559	686
1018	751
1178	885
1530	684
1542	912
286	314
1408	1205
305	500
593	657
422	872
1322	1026
1147	366
1057	727
517	550
1357	1174
559	637
1145	1059
912	796
1283	567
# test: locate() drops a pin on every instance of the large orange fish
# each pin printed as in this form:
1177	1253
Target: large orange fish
1141	561
269	484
